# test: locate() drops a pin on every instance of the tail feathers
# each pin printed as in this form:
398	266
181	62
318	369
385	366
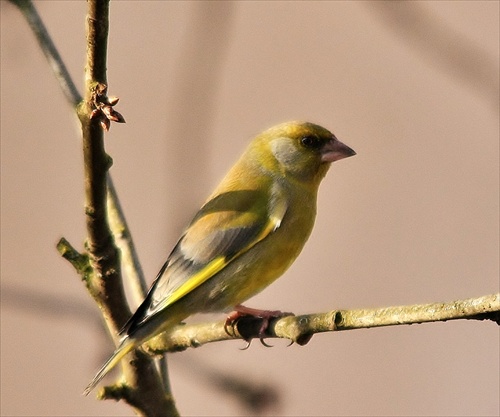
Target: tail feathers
125	347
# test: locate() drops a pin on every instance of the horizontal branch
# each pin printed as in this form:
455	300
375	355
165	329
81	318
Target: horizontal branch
300	329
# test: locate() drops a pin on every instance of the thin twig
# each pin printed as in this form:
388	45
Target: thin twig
131	264
124	241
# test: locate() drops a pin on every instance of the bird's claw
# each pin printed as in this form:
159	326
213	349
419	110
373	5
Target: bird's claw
265	315
264	343
248	344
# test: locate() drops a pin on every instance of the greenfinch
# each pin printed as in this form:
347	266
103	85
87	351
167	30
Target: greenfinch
246	235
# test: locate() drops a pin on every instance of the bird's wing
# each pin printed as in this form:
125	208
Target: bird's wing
224	228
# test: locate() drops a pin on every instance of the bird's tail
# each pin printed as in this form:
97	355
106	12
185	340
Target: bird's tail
125	347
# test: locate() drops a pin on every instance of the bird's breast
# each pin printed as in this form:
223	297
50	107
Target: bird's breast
263	263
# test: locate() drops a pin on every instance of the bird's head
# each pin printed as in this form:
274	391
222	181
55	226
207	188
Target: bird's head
299	150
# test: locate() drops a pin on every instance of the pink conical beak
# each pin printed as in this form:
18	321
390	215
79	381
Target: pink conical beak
335	150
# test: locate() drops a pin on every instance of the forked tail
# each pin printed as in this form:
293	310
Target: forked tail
125	347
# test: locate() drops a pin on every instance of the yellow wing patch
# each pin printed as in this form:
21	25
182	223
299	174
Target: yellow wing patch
195	280
213	267
277	212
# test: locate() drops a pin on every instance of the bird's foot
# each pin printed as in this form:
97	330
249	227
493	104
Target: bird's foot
264	316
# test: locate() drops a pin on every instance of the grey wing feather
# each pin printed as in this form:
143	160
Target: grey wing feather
195	250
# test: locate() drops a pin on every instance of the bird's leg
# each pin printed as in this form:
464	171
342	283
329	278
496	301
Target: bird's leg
265	315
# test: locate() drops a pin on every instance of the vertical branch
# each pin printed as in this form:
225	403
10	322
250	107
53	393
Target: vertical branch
97	42
106	283
143	390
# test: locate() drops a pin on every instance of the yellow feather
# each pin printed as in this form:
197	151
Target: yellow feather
195	281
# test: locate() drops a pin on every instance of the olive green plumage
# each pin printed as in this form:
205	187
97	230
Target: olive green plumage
246	235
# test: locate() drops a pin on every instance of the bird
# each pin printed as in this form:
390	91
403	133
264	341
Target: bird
245	236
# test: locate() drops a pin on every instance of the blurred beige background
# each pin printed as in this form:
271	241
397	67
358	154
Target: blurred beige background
413	218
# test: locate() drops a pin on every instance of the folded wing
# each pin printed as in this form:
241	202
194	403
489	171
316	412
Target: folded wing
224	228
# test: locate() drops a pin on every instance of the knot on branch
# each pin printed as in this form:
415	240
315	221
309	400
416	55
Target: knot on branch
300	329
117	392
80	262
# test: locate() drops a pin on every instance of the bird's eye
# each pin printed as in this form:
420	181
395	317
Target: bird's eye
311	142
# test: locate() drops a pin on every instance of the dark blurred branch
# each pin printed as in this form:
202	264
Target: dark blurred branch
300	329
48	48
441	45
42	305
194	96
257	397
